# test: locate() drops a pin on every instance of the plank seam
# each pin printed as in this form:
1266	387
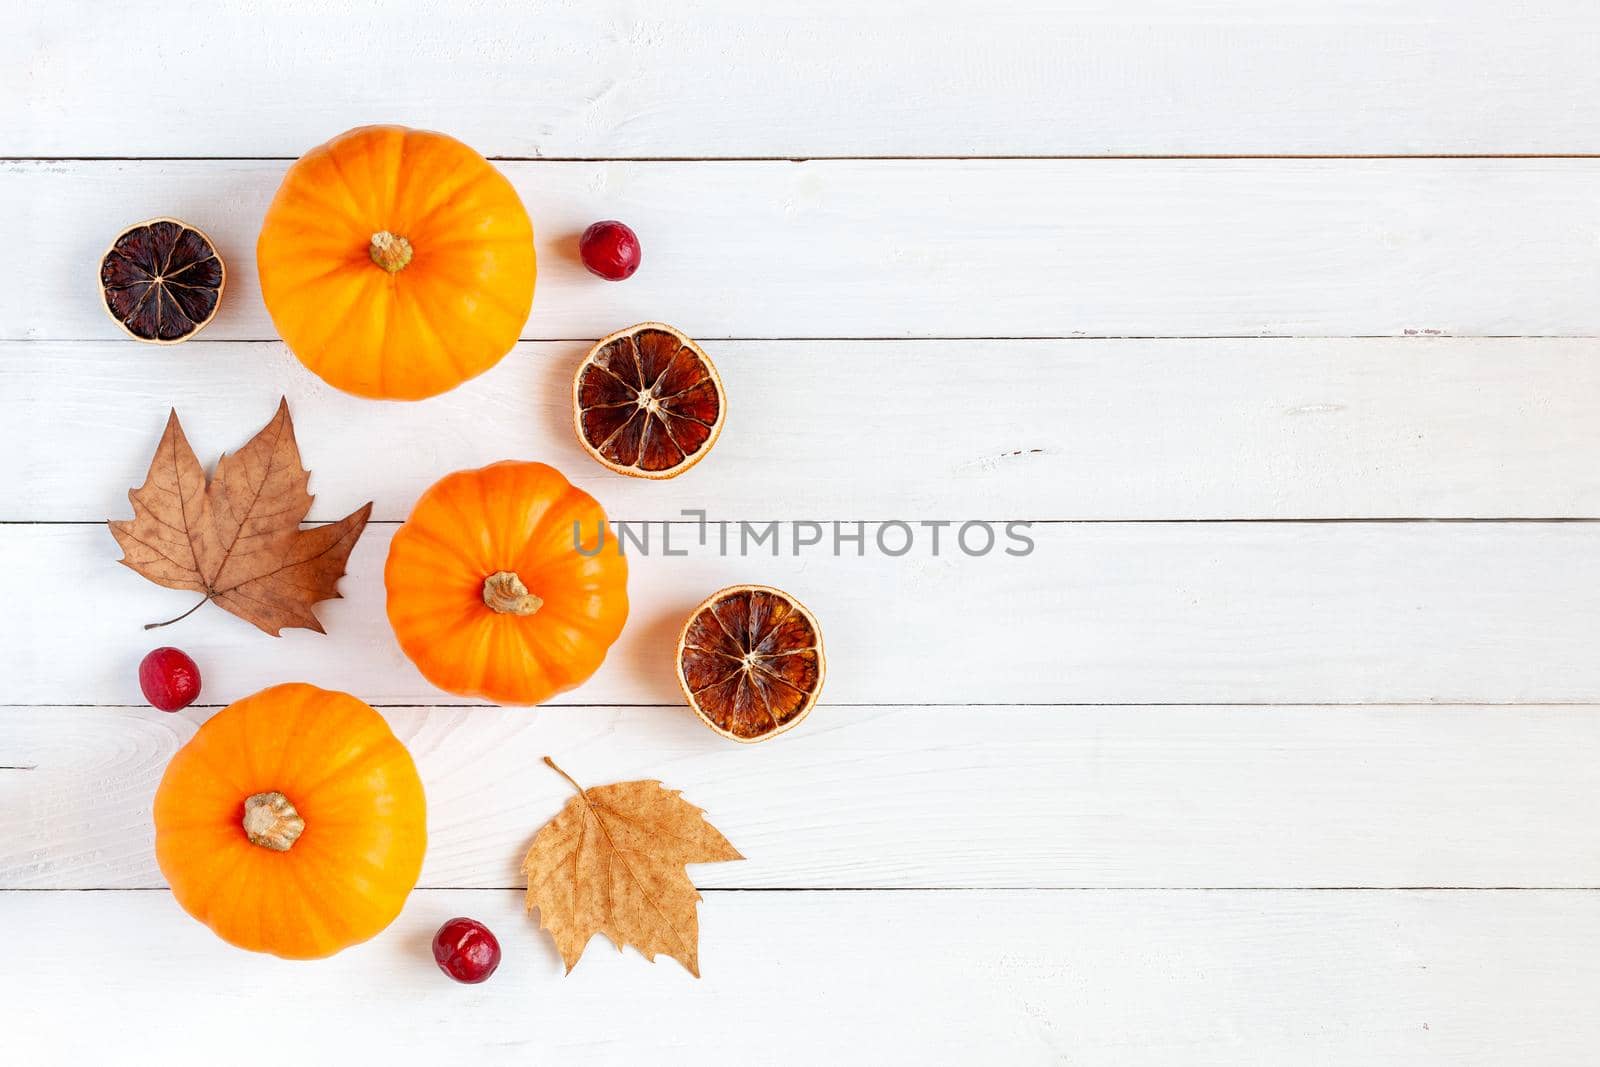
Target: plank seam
1396	520
1407	335
962	889
1440	704
1141	157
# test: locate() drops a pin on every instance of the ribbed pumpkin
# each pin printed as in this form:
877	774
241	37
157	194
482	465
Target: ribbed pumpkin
396	263
293	822
488	592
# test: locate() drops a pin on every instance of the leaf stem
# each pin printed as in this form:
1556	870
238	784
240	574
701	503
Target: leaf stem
180	618
552	765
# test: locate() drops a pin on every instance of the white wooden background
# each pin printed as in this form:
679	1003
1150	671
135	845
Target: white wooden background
1280	319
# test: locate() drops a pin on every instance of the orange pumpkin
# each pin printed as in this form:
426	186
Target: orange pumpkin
488	592
292	822
396	263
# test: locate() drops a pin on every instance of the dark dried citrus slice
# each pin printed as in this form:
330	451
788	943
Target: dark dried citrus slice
750	662
162	281
647	402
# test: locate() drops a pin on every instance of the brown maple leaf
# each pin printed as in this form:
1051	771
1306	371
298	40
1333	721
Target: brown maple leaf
612	862
238	540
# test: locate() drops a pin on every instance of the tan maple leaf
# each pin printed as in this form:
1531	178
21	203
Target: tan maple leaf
237	540
612	862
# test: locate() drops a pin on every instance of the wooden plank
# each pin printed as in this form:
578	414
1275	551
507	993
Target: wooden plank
1120	613
1003	797
1131	429
932	248
1119	978
718	78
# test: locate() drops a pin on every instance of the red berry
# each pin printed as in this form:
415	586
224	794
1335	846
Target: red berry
466	950
169	678
610	250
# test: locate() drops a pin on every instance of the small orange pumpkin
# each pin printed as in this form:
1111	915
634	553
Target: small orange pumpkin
396	263
293	822
488	593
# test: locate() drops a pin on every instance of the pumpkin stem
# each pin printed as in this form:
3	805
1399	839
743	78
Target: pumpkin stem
504	592
272	822
390	252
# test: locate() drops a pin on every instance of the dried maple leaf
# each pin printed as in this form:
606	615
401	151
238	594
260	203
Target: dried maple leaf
238	539
612	863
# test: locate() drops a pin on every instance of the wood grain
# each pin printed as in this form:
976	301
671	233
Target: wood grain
720	78
916	248
1120	613
907	797
1120	979
1130	429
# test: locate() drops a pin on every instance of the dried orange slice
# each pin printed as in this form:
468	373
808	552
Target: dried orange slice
750	662
162	281
647	402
